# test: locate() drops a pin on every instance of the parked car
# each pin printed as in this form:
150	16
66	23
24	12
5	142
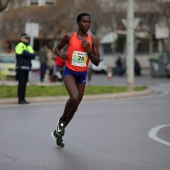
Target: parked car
8	64
167	70
101	68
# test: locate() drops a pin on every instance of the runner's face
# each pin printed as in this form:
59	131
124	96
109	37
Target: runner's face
85	23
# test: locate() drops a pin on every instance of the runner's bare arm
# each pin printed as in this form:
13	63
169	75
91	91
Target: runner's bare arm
94	53
65	40
95	56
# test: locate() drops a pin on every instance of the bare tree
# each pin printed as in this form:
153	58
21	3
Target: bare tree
54	21
165	11
3	4
149	14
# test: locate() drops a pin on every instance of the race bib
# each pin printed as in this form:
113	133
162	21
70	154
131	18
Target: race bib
79	58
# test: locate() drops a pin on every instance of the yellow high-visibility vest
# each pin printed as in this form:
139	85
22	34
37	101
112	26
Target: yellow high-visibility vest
22	47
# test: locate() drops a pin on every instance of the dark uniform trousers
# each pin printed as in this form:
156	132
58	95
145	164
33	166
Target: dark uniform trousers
22	76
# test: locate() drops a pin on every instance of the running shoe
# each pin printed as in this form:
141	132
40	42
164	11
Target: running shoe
58	139
60	127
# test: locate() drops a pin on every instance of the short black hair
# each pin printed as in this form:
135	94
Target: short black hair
82	15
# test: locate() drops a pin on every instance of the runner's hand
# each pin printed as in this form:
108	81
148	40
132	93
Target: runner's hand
86	45
64	56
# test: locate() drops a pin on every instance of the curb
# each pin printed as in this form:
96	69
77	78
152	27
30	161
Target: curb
85	98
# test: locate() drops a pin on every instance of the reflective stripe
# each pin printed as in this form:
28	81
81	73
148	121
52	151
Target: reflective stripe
25	67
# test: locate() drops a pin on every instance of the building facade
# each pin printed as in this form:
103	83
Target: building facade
108	16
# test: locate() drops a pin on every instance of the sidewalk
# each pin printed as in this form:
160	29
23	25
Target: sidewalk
15	83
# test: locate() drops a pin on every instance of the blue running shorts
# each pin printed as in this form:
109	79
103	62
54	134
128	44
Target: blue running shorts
80	77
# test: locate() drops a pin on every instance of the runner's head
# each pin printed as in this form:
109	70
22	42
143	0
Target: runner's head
84	21
79	17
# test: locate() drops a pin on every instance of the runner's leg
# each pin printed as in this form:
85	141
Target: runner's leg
76	92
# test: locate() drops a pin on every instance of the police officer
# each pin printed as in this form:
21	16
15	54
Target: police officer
24	55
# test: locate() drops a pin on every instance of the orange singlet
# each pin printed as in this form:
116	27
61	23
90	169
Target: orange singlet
78	59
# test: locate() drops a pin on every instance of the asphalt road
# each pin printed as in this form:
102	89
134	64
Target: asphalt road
102	79
124	134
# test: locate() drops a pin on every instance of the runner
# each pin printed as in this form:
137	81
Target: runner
81	47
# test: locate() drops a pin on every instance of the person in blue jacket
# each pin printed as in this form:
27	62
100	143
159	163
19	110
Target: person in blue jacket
24	54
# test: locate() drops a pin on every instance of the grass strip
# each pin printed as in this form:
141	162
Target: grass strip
44	91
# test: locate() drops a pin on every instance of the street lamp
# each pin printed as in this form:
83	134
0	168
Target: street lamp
1	28
130	46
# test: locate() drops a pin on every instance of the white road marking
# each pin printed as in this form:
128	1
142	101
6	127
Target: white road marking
163	93
153	134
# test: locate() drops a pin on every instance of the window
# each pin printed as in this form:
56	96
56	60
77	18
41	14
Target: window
49	2
120	44
33	2
107	48
142	46
40	2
